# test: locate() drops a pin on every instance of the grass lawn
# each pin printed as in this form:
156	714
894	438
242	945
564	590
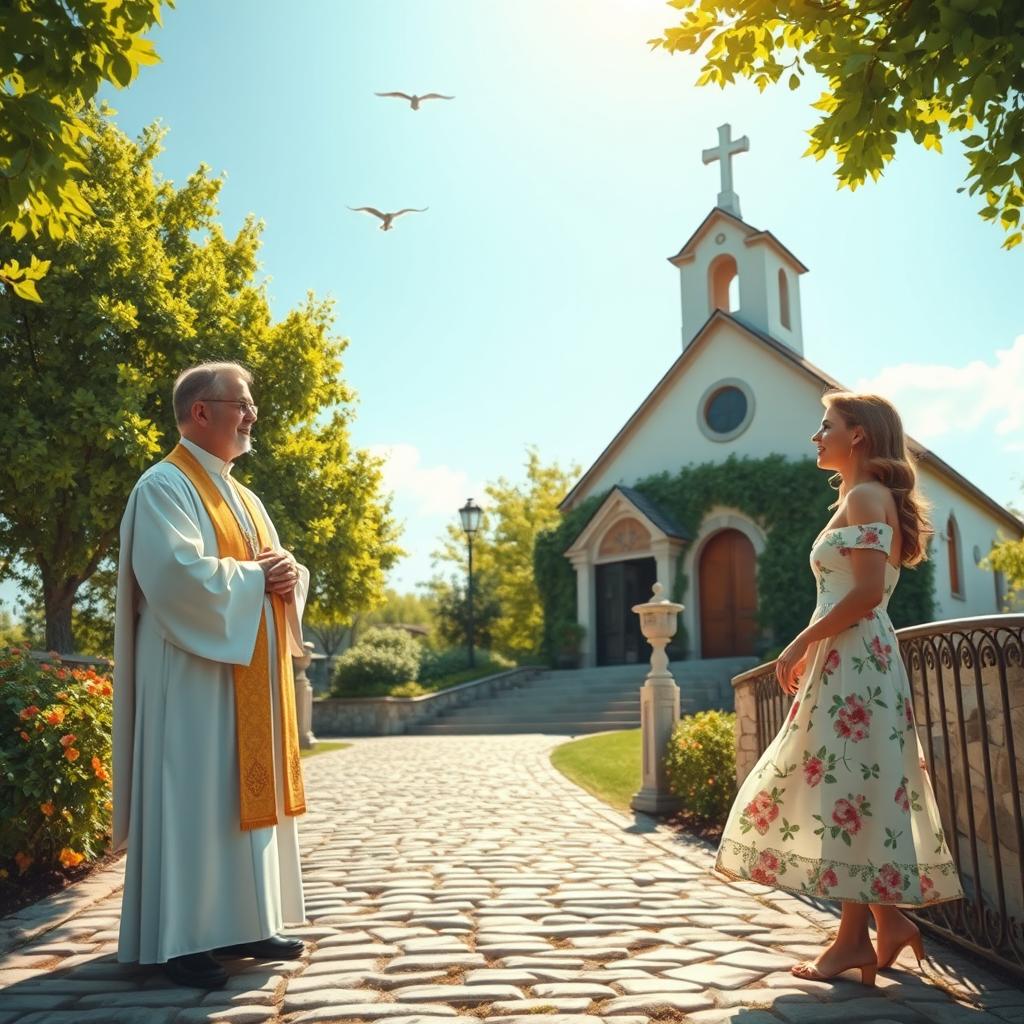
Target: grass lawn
324	747
608	766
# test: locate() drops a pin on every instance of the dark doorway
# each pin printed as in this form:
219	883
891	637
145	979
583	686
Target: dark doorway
620	585
728	596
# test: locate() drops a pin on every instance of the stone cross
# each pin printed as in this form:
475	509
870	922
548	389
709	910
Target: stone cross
725	150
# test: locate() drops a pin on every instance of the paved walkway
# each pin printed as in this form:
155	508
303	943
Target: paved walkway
462	877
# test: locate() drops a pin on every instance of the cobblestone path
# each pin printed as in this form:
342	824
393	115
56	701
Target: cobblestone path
462	877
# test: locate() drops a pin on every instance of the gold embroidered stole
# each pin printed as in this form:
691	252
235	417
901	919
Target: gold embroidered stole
253	709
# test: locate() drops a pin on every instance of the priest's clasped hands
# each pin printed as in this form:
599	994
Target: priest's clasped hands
280	571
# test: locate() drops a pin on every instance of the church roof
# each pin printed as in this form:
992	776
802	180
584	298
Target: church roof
924	455
657	516
662	520
754	236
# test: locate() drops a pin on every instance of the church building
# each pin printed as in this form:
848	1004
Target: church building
742	387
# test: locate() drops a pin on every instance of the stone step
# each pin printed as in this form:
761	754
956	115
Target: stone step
585	700
504	728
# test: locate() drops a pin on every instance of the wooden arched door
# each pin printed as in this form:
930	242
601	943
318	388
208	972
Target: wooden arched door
728	596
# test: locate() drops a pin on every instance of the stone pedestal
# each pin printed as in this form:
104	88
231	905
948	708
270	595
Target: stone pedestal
659	705
304	698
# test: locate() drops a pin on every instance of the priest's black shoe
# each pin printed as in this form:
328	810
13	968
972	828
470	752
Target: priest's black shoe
196	970
277	947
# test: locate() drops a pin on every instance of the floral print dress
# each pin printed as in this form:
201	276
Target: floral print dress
838	805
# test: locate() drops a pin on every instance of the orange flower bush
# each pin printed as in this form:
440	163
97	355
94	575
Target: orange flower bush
701	764
55	728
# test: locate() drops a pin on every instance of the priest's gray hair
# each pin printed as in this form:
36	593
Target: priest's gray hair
203	381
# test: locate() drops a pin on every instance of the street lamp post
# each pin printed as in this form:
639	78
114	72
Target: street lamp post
470	514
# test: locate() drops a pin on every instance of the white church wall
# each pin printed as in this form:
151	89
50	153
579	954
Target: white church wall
787	411
978	528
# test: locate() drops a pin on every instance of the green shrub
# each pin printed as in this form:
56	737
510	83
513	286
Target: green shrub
438	664
701	764
55	729
380	656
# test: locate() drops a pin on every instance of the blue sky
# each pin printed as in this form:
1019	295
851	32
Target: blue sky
532	303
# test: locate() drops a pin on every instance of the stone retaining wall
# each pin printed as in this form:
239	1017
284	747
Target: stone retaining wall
387	716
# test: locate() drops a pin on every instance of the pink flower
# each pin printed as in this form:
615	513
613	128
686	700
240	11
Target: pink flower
855	710
853	721
882	652
908	711
888	885
847	816
831	662
902	800
828	880
762	811
793	710
814	770
870	537
927	888
764	870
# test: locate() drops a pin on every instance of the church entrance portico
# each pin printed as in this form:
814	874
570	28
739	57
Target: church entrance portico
620	585
626	546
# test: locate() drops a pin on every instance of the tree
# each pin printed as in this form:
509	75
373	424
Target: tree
396	608
1007	557
893	68
516	514
451	598
330	633
54	56
148	286
11	633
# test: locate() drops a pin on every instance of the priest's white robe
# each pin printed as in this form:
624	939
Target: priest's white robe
194	879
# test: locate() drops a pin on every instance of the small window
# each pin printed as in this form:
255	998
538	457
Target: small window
723	282
784	300
956	575
725	410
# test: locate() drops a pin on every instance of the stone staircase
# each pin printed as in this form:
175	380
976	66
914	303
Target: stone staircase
570	703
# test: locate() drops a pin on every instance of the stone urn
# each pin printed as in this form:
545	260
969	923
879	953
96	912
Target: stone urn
659	704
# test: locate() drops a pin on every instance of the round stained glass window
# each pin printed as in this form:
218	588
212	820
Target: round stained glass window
725	409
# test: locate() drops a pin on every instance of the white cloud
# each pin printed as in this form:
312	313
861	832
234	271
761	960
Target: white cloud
426	502
936	400
423	490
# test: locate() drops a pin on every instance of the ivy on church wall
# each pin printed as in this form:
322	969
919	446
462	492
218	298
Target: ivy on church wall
788	499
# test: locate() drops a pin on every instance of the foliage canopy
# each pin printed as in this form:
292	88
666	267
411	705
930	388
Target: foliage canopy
892	68
54	56
515	515
149	285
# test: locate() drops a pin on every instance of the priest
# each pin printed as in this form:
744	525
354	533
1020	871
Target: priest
207	776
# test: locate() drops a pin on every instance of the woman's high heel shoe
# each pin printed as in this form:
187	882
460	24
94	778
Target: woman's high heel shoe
914	942
811	971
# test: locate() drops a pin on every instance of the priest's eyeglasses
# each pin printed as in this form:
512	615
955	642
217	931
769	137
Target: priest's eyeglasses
244	407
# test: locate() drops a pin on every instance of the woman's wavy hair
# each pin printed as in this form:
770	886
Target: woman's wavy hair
890	462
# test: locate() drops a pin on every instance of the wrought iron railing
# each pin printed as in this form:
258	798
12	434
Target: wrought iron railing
967	677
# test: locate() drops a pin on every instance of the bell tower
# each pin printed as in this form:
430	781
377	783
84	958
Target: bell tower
729	265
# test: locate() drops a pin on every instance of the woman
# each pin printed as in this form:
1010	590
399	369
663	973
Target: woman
839	805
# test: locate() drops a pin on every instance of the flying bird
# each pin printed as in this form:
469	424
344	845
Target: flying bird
415	101
386	218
